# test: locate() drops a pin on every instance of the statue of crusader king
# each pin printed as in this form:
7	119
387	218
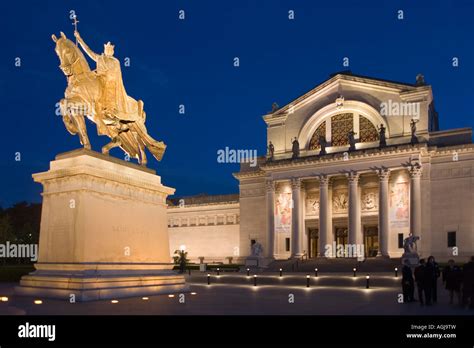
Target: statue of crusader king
100	96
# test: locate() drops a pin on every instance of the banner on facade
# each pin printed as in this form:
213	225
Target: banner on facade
283	208
399	205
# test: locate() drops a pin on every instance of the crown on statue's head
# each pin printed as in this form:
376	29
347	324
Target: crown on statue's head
109	44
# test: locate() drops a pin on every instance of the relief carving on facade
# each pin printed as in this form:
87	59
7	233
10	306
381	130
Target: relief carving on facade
369	200
340	202
312	203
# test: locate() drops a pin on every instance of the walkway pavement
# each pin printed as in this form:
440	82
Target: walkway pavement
235	294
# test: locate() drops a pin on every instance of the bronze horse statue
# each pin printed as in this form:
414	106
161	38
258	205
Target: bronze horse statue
82	98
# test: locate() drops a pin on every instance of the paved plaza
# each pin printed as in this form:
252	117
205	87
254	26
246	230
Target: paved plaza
235	294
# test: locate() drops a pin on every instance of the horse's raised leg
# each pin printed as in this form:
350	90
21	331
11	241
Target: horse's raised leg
114	143
82	130
70	124
67	118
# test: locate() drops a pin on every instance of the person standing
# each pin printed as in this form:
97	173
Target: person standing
432	274
468	284
452	278
407	282
419	279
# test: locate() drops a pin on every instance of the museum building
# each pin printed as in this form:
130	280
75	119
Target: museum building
354	161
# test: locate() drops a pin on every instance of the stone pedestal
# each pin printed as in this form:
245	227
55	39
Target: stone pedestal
258	262
413	259
104	231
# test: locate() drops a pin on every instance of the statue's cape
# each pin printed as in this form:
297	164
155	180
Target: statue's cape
114	96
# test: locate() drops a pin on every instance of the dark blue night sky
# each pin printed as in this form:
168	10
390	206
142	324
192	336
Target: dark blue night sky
190	62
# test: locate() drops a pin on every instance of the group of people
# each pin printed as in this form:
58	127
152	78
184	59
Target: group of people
458	281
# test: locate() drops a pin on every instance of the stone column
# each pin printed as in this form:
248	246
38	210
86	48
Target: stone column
325	218
355	233
384	229
295	218
270	184
303	236
415	200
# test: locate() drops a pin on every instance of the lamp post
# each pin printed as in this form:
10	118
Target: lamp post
396	272
218	270
307	280
208	279
315	272
254	280
281	272
248	272
354	270
367	278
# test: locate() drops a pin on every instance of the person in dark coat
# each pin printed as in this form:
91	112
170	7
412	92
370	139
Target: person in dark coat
452	278
408	285
419	279
432	274
468	284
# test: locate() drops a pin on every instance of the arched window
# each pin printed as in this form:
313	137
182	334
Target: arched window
320	131
341	125
367	131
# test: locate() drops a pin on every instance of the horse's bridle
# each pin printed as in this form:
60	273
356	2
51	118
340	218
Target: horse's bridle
69	67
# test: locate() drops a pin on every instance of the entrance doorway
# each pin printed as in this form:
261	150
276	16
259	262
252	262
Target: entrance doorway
371	241
342	236
313	242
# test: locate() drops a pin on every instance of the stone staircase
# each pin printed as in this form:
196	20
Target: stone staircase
335	265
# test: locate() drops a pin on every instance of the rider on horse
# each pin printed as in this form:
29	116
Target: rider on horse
115	103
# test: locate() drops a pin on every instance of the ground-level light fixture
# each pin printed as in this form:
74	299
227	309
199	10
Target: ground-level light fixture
307	280
145	298
218	270
194	293
281	272
315	272
396	272
354	270
248	272
208	279
254	280
3	299
367	278
114	301
38	302
170	295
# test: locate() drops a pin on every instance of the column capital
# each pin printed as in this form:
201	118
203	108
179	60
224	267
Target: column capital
415	171
353	177
324	180
383	173
295	183
270	185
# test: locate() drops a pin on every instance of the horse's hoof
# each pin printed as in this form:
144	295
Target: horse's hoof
88	147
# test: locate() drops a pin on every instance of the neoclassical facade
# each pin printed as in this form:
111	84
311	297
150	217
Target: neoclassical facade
361	162
206	226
